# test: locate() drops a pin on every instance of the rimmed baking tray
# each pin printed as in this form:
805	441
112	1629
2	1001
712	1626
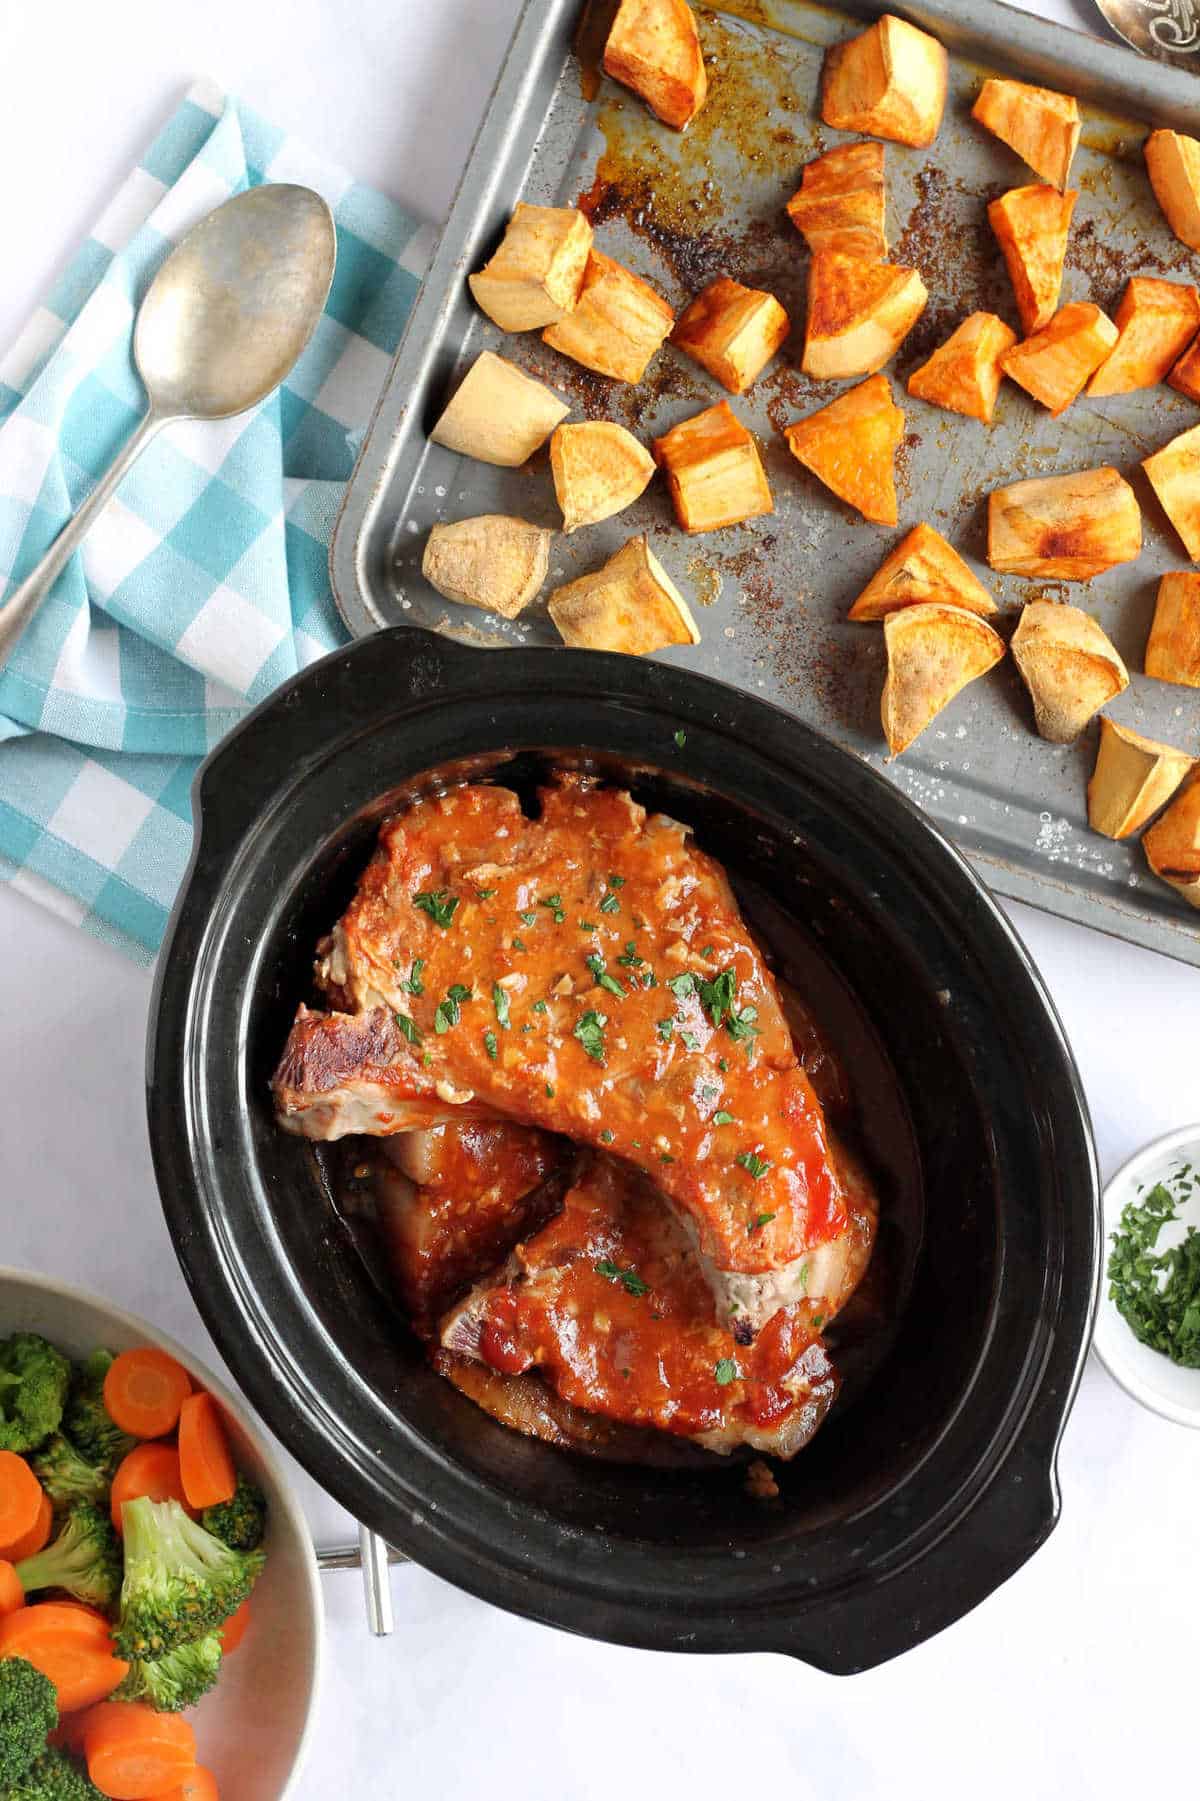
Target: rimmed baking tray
771	596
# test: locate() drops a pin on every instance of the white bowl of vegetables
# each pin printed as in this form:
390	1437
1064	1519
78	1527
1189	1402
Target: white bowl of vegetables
180	1659
1148	1325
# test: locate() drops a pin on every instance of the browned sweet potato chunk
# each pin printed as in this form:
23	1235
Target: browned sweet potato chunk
1173	164
964	373
1055	362
1132	779
1185	376
617	324
1069	666
1174	473
732	331
630	604
1172	845
493	561
599	469
498	413
1157	321
840	203
1173	647
922	567
714	474
1042	126
889	82
1064	527
654	48
851	445
858	314
535	275
1031	226
933	651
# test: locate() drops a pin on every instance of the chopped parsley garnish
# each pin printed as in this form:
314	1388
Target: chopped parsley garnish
629	1279
486	893
1157	1293
707	952
682	986
680	740
722	1063
490	1045
590	1033
741	1025
539	1007
527	919
616	881
553	904
716	997
588	925
726	1371
629	958
690	1040
519	944
606	1136
610	904
440	905
818	1320
722	1118
449	1011
500	1002
603	979
414	984
408	1027
756	1165
665	1028
665	1157
549	1091
764	1219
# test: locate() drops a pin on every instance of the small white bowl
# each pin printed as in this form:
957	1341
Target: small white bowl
253	1729
1147	1375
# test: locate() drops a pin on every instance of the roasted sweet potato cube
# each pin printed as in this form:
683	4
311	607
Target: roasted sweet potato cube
1174	473
714	473
492	561
498	413
1069	666
964	373
858	314
1172	845
599	469
1031	226
1173	164
933	651
732	331
1042	126
654	48
535	275
851	446
1133	778
841	202
617	324
630	604
889	82
1173	647
1064	527
1157	321
923	567
1055	362
1185	376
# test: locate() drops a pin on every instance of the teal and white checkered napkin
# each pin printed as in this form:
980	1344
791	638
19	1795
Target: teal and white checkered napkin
204	584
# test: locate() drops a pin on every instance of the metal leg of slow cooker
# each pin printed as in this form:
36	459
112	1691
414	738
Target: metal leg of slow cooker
373	1556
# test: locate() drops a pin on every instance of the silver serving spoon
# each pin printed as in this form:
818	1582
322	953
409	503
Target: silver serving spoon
1167	30
225	319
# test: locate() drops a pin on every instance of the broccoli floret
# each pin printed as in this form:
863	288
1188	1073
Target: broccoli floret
33	1388
28	1714
85	1559
177	1680
180	1582
53	1777
241	1522
67	1477
86	1420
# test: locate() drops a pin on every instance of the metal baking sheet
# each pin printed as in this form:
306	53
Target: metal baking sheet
771	596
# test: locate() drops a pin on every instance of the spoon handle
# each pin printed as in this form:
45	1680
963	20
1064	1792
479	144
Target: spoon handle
24	601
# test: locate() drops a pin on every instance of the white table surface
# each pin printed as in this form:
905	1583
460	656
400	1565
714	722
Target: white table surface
1079	1677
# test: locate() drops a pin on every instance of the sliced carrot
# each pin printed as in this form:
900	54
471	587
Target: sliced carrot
70	1646
37	1536
201	1785
204	1461
21	1497
234	1630
134	1753
150	1470
144	1390
93	1613
12	1595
